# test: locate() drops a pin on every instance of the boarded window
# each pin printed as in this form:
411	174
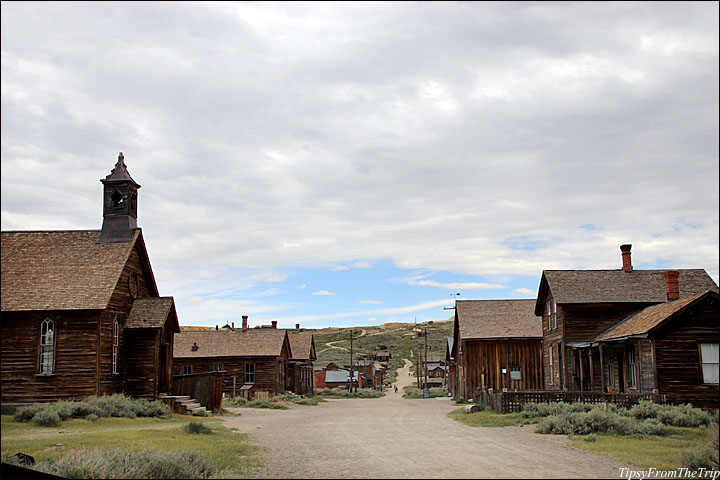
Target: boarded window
187	369
116	344
709	358
47	346
515	373
249	373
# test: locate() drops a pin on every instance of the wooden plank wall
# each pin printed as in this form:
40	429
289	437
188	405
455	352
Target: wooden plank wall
75	356
677	353
266	372
488	357
139	369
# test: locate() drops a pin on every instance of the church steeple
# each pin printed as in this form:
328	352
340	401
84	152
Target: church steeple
120	193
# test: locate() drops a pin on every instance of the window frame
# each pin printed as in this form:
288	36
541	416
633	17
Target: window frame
116	346
548	313
716	347
44	345
551	366
187	369
554	315
631	366
611	368
249	375
218	367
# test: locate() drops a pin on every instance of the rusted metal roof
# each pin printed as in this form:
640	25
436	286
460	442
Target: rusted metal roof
61	270
498	319
255	342
150	312
645	320
302	346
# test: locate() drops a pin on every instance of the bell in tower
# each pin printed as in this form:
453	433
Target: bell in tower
119	205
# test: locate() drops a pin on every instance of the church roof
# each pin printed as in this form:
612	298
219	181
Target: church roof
120	173
63	270
152	312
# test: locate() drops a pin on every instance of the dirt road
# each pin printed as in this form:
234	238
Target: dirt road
392	437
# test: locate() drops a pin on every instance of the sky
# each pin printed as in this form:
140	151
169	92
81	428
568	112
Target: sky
347	164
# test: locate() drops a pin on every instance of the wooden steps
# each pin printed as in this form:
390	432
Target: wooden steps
183	404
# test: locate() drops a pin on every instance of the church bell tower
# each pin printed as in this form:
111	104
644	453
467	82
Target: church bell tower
120	196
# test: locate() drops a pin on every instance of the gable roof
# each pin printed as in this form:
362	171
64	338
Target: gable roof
64	270
617	286
152	312
254	342
302	346
497	319
647	319
185	328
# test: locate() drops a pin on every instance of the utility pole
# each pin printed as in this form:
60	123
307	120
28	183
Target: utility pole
426	365
351	361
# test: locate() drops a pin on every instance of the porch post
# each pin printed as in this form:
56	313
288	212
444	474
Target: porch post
582	370
602	368
592	377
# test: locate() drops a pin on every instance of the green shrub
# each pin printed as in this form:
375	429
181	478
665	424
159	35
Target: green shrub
460	400
46	417
307	401
700	457
150	464
555	425
645	409
651	426
92	417
265	404
26	414
230	403
591	437
683	416
197	427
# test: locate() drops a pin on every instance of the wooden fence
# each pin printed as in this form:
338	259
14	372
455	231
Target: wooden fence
205	387
505	402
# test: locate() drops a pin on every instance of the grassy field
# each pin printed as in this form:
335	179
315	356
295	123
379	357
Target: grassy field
228	451
647	451
643	451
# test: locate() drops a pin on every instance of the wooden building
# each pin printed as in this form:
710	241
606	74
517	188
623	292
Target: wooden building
435	370
253	359
497	344
81	314
619	331
302	347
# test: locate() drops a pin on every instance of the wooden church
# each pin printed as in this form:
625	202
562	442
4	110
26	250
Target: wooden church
81	313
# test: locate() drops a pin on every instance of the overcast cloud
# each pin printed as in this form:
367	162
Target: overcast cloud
486	139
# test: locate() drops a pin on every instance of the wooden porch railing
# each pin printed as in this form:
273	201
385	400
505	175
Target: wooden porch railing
506	402
205	387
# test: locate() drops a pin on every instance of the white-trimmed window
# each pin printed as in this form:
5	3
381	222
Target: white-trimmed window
551	365
187	369
249	373
632	373
116	345
549	315
554	315
47	346
709	358
218	367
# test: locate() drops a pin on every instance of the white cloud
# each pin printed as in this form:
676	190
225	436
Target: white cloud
371	302
456	286
324	292
525	292
269	277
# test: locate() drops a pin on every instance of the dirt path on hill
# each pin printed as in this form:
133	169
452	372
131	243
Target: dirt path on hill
392	437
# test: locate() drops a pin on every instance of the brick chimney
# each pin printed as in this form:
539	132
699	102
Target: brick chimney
274	324
626	261
194	347
673	286
297	326
232	327
245	327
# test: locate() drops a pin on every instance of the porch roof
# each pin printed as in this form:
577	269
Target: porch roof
645	320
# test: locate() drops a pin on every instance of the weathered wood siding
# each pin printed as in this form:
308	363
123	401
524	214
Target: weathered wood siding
487	358
677	353
267	372
75	356
583	322
140	369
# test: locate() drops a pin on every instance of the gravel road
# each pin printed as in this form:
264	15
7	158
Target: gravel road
392	437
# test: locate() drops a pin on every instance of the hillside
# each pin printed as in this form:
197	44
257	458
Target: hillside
333	344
